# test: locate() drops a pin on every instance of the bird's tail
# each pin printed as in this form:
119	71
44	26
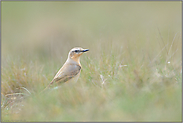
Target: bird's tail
44	89
48	86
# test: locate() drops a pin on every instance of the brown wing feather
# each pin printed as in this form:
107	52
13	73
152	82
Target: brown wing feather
66	73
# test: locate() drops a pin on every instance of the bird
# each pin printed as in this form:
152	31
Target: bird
71	69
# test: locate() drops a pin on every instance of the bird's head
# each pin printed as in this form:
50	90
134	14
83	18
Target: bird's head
76	52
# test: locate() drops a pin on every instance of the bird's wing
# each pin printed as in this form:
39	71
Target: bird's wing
66	73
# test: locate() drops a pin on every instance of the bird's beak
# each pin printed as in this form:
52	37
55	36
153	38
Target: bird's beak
85	50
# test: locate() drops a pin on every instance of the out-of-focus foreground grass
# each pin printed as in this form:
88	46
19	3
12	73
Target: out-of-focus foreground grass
133	71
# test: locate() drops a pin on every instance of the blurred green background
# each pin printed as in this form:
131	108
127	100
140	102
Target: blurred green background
134	46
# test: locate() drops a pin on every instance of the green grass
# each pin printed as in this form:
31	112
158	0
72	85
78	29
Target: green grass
133	71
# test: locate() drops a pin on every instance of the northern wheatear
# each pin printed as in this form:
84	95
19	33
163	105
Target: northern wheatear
70	71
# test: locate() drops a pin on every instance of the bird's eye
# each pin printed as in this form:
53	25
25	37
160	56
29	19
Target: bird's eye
76	51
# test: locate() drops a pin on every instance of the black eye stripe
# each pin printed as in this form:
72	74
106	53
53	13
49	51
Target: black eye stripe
76	51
